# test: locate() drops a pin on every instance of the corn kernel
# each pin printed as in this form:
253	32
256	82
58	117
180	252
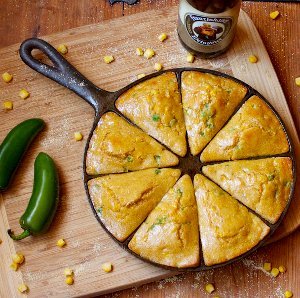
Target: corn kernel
158	66
108	59
69	280
297	81
141	75
282	269
209	288
18	258
252	59
267	267
7	77
139	51
275	272
8	105
288	294
61	243
63	49
274	14
149	53
24	93
14	266
190	58
107	267
23	288
68	272
162	37
78	136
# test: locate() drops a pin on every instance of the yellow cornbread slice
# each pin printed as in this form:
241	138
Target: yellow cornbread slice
208	102
155	106
263	185
123	201
117	146
253	131
227	228
170	234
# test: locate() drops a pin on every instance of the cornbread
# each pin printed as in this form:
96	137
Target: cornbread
123	201
155	106
117	146
208	101
227	228
170	234
263	185
253	131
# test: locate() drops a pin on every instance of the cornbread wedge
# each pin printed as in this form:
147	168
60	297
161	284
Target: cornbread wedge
227	228
170	234
117	146
123	201
155	106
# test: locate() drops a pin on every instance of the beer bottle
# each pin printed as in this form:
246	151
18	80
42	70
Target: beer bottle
206	27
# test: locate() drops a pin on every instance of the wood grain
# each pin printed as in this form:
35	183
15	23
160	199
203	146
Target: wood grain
243	280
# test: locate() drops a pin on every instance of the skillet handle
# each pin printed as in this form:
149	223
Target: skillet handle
61	72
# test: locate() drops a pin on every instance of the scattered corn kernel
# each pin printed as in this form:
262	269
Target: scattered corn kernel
252	59
23	288
78	136
24	93
63	49
141	75
274	14
288	294
190	58
61	243
18	258
69	280
139	51
209	288
216	296
275	272
7	77
297	81
107	267
108	59
14	266
68	272
158	66
282	269
267	267
149	53
162	36
8	105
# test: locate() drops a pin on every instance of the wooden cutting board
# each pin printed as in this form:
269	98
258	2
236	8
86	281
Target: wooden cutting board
88	246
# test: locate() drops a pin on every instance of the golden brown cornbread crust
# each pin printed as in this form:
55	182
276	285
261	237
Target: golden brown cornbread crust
263	185
253	131
170	234
155	106
123	201
227	228
208	102
117	146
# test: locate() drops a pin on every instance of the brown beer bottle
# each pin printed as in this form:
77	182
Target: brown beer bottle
206	27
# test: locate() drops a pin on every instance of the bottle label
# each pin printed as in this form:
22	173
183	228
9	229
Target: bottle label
207	31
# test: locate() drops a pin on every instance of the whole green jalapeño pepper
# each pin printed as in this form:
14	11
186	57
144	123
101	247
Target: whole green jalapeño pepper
14	146
44	199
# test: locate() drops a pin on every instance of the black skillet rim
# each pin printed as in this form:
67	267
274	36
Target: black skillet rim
112	96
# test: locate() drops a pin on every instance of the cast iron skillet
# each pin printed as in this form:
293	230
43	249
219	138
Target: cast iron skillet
103	101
